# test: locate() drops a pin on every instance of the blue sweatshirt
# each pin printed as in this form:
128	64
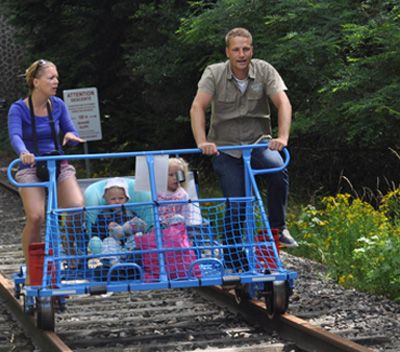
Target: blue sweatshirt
20	127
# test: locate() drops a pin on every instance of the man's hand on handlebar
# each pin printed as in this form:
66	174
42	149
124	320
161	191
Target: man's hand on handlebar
277	144
208	148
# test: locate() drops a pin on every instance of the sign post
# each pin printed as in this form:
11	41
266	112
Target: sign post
83	105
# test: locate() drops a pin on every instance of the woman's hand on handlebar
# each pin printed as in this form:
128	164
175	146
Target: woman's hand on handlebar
27	158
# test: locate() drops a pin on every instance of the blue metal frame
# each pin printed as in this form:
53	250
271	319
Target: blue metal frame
251	277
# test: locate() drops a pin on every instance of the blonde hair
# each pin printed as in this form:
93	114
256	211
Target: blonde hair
237	32
183	166
35	70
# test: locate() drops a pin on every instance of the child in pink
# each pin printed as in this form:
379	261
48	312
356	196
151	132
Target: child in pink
177	175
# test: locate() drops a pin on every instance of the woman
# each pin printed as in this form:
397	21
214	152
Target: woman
42	80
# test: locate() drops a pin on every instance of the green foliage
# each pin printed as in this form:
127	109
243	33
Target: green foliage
84	40
376	265
339	60
356	242
162	65
390	206
363	97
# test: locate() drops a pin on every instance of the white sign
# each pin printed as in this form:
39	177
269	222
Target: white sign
83	105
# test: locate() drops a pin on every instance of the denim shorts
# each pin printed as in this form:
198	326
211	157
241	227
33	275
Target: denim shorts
28	175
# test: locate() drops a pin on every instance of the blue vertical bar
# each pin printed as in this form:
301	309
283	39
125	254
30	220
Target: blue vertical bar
263	214
158	232
49	237
249	211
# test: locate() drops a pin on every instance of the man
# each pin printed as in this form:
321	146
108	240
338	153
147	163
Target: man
238	91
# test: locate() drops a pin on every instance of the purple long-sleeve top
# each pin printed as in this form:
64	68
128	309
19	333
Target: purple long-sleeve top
20	127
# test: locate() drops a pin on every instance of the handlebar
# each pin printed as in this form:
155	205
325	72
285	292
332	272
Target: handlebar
143	154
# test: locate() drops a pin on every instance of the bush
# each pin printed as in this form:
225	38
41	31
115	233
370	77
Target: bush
390	206
358	243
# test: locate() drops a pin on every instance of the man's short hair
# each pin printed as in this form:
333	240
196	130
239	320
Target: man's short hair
237	32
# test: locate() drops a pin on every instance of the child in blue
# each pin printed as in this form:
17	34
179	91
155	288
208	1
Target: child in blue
116	227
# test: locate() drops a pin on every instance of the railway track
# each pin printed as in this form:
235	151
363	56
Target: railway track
176	321
166	320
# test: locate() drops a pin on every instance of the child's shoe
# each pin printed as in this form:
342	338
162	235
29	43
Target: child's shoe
116	231
130	243
111	245
95	245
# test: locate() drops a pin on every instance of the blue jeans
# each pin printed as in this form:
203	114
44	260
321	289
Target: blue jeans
230	172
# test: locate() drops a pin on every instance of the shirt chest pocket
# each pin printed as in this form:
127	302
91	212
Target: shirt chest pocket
229	95
226	105
255	92
256	101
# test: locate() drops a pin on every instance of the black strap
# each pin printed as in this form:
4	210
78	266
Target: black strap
52	125
34	133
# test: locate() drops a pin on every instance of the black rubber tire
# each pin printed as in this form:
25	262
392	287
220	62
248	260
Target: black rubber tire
241	294
17	291
276	298
45	313
30	310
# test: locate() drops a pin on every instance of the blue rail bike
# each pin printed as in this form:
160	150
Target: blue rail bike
217	241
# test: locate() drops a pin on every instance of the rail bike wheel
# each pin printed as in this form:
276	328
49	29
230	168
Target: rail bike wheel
61	304
242	293
276	298
17	291
45	313
29	304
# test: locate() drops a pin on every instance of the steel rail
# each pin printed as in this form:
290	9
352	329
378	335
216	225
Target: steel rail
46	341
305	335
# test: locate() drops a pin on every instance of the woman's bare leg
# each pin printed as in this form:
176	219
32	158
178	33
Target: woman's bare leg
33	200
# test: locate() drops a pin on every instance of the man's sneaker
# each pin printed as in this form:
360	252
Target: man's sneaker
286	240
